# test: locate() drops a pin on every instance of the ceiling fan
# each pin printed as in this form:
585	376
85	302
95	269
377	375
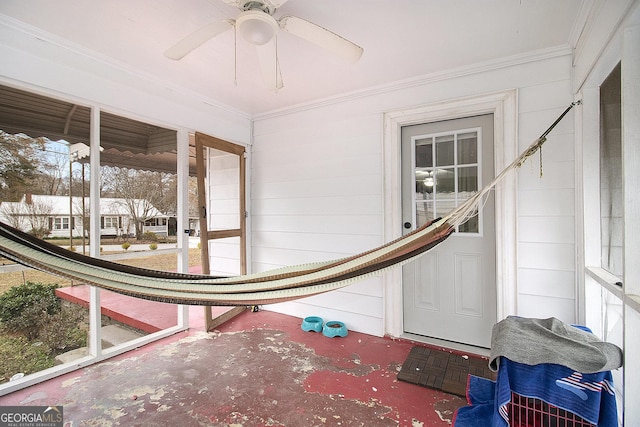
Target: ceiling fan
256	24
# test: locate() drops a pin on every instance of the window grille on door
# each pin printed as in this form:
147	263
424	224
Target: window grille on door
447	172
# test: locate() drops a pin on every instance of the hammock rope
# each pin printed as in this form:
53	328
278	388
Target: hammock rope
279	285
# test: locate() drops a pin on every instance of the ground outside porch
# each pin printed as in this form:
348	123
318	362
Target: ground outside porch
257	369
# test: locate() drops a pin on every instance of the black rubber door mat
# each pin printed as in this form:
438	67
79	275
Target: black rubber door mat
442	370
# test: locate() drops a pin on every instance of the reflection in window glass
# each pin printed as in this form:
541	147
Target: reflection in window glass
424	153
611	227
444	150
468	148
446	176
467	181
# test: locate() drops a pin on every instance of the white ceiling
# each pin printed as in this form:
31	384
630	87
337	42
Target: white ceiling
402	39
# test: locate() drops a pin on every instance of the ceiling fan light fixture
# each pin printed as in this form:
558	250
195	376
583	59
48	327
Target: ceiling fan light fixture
256	26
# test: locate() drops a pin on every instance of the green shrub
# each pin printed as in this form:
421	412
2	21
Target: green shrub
40	232
153	246
18	355
61	332
125	245
150	236
35	327
24	308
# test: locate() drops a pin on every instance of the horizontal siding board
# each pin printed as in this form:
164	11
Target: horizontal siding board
555	175
547	256
330	224
313	144
540	96
338	205
542	307
533	124
549	283
217	191
319	187
224	207
346	302
546	203
264	259
371	286
556	229
316	168
315	242
559	147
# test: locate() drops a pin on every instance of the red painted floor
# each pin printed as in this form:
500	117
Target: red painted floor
258	369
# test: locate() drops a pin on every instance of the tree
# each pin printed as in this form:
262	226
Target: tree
141	192
20	160
38	214
194	208
32	215
13	214
53	179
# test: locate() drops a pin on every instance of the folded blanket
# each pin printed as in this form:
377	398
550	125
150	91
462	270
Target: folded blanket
590	396
481	399
535	341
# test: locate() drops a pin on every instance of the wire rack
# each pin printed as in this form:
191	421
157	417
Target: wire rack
531	412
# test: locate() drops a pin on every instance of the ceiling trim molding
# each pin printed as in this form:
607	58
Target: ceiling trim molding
481	67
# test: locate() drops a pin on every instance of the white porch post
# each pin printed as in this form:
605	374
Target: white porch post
183	215
95	323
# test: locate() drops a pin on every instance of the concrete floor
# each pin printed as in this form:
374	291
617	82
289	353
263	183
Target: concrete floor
258	369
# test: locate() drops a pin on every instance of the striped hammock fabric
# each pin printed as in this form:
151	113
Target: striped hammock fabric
279	285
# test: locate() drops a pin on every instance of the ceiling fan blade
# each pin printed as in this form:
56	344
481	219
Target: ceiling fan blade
269	65
196	39
321	37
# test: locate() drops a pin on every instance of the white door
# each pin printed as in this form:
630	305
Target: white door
450	292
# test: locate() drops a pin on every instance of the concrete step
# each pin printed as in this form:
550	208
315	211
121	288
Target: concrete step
112	335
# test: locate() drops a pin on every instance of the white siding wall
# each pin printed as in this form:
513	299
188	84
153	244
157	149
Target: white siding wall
546	206
317	187
317	195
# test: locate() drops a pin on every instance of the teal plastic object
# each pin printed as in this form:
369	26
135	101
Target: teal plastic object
312	324
334	328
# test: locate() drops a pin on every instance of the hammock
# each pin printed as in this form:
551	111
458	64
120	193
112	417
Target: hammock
279	285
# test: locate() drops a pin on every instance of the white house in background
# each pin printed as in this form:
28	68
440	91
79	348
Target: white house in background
53	213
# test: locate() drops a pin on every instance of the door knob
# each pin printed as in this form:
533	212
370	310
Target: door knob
407	225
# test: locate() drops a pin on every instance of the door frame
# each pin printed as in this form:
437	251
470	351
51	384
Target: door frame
202	142
503	106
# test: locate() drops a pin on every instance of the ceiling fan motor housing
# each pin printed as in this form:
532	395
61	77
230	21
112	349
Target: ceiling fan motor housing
256	26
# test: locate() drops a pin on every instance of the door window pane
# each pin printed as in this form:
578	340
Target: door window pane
444	150
468	148
467	181
447	176
424	153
